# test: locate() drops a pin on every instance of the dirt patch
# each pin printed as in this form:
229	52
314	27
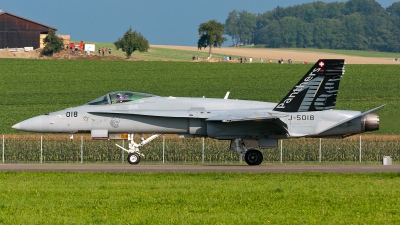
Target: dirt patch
276	54
65	54
35	54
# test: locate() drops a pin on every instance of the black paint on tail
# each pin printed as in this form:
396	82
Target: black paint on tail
317	90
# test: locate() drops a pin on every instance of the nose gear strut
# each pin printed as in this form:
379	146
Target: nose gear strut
134	152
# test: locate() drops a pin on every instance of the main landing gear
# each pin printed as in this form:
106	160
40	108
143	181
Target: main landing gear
134	153
252	157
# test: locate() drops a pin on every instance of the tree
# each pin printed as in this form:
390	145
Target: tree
211	35
247	24
131	42
231	26
53	43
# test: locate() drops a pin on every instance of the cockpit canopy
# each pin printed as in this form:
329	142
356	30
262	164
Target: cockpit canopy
119	97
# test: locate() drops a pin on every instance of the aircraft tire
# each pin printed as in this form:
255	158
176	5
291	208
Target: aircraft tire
253	157
133	158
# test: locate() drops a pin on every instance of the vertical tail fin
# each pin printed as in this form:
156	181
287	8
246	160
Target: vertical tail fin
317	90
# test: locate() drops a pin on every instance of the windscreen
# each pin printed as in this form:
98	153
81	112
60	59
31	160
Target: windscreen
119	97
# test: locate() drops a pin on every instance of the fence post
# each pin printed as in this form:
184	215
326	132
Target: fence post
281	151
360	148
3	149
320	150
122	151
41	148
202	152
163	149
81	149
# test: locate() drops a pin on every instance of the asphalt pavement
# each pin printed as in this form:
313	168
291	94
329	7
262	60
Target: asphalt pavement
202	168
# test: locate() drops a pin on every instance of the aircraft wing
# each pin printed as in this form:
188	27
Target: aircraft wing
222	116
352	118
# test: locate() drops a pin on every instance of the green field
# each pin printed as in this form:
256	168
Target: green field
162	54
198	198
156	54
34	87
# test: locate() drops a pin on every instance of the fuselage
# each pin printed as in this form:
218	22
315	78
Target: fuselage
176	115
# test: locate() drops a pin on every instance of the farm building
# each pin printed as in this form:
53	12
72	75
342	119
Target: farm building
19	32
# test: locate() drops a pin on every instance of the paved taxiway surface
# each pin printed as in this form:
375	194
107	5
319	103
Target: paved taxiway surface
202	168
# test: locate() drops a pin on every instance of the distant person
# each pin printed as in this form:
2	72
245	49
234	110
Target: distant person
102	51
261	60
109	51
81	44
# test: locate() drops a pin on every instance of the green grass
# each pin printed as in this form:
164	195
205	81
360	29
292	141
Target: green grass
198	198
156	54
34	87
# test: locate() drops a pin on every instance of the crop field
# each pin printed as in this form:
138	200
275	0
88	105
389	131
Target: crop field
60	149
199	198
35	87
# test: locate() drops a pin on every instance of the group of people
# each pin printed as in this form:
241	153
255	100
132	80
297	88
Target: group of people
281	61
103	50
245	59
78	47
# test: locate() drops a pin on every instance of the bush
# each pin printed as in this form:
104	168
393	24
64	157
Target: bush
53	44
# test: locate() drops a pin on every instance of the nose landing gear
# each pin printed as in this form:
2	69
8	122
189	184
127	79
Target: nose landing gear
134	152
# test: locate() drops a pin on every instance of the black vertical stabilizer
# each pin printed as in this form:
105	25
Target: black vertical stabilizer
317	90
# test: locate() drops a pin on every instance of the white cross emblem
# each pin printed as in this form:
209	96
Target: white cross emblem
321	64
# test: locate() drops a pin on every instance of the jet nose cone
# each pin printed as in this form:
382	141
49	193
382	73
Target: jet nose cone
16	126
35	124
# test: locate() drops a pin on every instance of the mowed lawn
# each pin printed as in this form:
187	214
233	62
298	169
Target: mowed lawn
199	198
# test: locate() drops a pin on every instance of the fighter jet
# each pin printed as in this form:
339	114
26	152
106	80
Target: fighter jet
306	111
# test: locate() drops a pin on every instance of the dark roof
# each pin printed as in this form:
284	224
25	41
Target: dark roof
1	13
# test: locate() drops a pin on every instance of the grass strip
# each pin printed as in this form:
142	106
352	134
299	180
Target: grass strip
198	198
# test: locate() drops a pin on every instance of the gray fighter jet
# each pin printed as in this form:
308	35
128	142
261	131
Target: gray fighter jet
306	111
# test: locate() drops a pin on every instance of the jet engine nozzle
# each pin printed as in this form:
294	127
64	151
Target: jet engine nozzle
370	122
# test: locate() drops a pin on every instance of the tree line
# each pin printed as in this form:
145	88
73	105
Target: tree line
353	25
